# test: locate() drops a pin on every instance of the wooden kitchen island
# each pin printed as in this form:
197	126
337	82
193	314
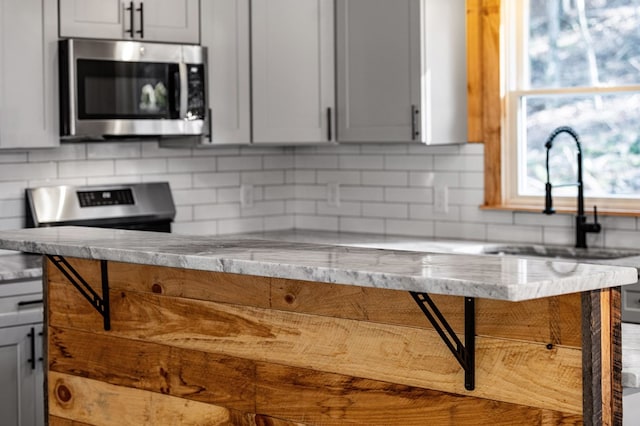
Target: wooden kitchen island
187	330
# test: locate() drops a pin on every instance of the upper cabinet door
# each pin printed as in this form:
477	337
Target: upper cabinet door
293	71
92	18
173	21
401	71
28	74
378	54
225	32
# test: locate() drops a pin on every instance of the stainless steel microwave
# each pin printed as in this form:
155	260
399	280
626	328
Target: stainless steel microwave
127	88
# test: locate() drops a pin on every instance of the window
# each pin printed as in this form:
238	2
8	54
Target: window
572	63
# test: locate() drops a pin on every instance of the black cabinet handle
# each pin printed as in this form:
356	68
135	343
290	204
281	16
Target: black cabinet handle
30	302
32	337
329	125
141	30
415	112
130	9
209	115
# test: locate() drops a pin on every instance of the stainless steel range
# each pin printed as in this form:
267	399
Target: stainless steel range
140	206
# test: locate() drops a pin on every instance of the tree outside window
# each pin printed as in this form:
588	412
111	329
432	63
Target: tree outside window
573	63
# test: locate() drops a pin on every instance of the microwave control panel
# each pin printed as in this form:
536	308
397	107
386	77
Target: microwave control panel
196	100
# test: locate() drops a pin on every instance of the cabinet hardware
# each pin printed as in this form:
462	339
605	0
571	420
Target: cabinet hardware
32	338
210	135
30	302
464	353
141	30
131	10
100	304
415	132
329	125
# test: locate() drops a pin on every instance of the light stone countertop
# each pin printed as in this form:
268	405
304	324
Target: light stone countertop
492	277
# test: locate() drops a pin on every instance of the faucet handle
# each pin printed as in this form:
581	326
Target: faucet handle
595	214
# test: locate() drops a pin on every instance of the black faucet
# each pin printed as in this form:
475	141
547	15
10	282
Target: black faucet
582	227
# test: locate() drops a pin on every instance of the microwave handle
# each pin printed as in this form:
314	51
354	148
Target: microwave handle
183	95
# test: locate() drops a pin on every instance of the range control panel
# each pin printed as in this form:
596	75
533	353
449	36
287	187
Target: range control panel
105	198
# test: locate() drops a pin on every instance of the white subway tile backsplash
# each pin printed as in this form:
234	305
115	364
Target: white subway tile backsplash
362	225
522	218
426	211
141	166
361	162
190	164
273	177
394	149
343	177
239	163
422	179
434	149
344	209
558	235
30	171
460	230
194	196
216	180
63	152
229	195
316	223
385	178
278	223
12	208
472	149
316	161
408	162
111	180
150	149
54	182
413	228
409	195
300	177
385	210
184	214
511	233
104	150
362	193
176	180
216	211
311	192
196	228
306	207
12	223
264	208
14	157
279	192
472	180
466	197
616	222
233	226
15	189
475	214
280	162
85	168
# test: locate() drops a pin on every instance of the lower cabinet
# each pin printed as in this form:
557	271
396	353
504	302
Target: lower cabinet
21	375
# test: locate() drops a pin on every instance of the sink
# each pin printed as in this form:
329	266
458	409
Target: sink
552	252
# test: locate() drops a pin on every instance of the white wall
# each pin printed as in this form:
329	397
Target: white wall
384	189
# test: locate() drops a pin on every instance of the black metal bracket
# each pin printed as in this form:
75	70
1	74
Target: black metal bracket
465	354
100	304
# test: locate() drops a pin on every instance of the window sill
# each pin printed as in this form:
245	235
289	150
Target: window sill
562	210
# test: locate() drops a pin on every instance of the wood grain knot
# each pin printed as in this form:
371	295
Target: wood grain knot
549	346
156	288
289	298
63	393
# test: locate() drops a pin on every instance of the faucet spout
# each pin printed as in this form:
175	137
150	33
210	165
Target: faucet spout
582	227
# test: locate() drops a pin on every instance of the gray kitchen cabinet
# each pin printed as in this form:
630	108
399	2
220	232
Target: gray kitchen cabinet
21	350
28	74
401	71
22	393
293	83
225	32
173	21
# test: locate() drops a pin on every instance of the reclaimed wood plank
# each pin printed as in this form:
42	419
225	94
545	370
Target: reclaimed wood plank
507	370
198	376
554	320
95	402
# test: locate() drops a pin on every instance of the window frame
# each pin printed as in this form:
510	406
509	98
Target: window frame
494	125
